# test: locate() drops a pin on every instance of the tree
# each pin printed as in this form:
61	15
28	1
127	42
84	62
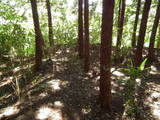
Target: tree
120	23
105	54
142	31
50	32
80	29
135	23
86	36
158	42
153	34
38	36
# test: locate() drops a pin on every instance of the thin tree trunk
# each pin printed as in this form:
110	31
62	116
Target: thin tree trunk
151	54
158	43
80	29
86	36
38	36
105	57
50	30
119	15
120	24
142	31
135	23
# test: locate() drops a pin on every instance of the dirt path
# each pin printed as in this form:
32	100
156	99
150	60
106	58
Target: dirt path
63	91
150	96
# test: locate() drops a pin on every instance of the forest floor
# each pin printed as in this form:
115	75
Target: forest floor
62	91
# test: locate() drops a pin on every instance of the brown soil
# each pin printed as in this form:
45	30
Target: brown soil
62	91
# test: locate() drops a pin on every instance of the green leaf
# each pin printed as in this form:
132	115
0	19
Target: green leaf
141	67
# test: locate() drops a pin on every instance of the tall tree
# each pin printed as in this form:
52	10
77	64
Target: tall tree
50	30
142	31
153	34
120	23
135	23
105	57
119	14
80	29
86	36
38	36
158	42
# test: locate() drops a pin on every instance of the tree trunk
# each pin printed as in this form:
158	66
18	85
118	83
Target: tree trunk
142	31
38	36
105	57
151	54
50	32
86	36
158	42
119	16
80	29
120	23
135	23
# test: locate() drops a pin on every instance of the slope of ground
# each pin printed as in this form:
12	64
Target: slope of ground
62	91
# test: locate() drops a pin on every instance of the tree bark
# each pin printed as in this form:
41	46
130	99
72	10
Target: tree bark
151	54
120	23
158	43
50	30
105	54
142	31
86	36
135	23
38	36
80	29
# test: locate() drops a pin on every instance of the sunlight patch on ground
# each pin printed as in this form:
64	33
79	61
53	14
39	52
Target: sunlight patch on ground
138	81
113	91
59	52
58	104
153	99
97	88
86	111
156	109
55	85
9	111
3	66
116	72
16	69
43	94
155	95
153	70
67	50
46	113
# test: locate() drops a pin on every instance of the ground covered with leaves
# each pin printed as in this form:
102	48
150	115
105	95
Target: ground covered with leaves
62	91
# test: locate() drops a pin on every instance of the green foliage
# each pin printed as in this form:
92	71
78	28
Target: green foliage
16	37
130	95
136	72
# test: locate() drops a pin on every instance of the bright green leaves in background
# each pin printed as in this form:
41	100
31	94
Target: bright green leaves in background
17	31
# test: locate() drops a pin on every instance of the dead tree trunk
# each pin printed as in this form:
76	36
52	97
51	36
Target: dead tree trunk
142	31
105	57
